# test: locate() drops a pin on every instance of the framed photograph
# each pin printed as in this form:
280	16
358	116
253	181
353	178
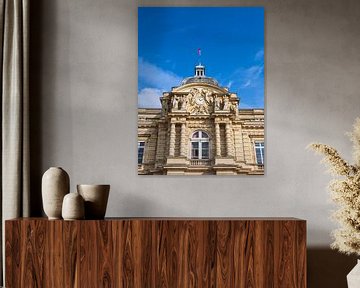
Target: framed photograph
201	91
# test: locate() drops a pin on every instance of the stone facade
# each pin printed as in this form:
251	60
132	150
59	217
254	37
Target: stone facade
200	130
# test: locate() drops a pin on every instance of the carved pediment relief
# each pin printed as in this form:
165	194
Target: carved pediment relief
199	101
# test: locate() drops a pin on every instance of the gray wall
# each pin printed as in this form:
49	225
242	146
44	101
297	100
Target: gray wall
84	117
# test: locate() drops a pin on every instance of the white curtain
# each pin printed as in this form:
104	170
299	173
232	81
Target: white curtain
14	24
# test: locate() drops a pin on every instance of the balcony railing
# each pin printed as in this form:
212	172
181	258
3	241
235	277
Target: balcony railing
200	162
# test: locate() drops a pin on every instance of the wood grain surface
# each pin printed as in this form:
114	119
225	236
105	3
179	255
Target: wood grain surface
159	252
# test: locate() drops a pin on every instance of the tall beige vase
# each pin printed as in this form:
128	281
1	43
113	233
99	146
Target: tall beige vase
55	185
96	198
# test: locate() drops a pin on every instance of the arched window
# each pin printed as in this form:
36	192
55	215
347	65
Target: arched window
200	145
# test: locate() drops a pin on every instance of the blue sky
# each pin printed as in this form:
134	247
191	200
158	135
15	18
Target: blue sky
231	40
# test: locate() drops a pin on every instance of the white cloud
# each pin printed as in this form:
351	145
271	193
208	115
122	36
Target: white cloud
248	77
156	77
154	81
251	75
149	98
248	82
230	84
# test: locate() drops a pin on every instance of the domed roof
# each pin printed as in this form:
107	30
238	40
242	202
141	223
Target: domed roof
195	79
200	77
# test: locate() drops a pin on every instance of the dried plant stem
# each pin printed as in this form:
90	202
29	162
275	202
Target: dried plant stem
345	191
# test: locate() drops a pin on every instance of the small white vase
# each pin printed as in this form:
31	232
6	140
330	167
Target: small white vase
353	278
55	185
96	198
73	207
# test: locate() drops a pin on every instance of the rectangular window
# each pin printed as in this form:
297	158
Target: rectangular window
141	149
204	150
259	151
195	150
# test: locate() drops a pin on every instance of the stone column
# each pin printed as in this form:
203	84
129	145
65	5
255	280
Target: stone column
172	140
217	139
160	143
183	140
228	139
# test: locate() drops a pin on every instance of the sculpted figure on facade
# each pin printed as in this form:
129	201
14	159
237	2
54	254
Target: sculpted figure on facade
234	108
218	103
164	105
175	103
183	102
209	98
226	103
191	100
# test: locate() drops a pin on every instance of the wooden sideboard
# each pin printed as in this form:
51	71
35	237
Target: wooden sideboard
156	252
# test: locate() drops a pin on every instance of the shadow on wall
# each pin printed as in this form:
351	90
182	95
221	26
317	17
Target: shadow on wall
328	268
35	64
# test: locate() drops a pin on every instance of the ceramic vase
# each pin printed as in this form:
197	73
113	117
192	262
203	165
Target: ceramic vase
73	207
96	198
55	185
353	278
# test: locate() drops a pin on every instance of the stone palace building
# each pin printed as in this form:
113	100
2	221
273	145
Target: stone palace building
200	130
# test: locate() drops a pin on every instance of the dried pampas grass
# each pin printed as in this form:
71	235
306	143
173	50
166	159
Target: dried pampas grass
345	191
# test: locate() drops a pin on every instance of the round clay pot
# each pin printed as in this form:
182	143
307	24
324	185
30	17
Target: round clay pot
73	207
95	197
55	185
